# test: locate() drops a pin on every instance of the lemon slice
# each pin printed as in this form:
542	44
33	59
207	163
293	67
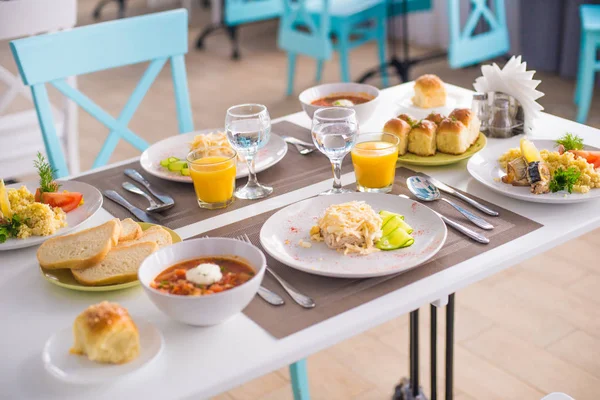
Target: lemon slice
529	151
4	203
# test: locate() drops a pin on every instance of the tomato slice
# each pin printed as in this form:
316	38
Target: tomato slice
66	200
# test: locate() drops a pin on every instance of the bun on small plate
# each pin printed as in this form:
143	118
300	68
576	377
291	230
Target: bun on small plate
469	120
429	92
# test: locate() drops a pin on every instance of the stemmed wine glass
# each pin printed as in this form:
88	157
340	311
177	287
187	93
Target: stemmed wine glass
334	131
248	128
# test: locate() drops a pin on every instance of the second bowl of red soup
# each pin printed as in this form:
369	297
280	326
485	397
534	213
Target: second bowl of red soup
203	281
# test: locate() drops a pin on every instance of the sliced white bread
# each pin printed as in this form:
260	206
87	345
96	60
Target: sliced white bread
130	230
155	234
79	250
120	265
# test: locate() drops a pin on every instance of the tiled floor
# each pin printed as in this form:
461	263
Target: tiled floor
530	330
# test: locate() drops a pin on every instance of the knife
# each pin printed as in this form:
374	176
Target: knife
133	174
445	188
461	228
120	200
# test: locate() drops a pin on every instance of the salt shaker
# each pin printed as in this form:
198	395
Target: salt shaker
480	107
501	123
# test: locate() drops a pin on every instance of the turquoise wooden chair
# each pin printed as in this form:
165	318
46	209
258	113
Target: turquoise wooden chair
307	27
51	58
588	64
465	48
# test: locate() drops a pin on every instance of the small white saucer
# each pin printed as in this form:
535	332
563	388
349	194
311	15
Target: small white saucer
73	368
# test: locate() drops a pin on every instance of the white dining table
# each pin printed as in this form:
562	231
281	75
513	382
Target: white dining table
206	361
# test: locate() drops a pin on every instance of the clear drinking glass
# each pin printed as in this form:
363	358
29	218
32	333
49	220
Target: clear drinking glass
374	158
334	131
213	172
248	128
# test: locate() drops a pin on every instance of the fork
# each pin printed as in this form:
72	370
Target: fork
298	297
270	297
303	148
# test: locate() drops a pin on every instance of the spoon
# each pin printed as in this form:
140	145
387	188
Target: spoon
424	190
303	148
154	206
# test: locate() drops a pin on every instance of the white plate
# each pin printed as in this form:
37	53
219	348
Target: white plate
92	203
74	368
484	167
294	222
178	146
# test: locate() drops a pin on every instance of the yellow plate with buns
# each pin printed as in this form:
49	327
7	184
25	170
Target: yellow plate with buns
64	277
442	158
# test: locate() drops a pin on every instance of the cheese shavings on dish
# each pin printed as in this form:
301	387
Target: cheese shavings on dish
352	227
212	139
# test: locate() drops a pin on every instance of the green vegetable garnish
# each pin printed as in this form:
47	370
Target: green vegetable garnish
46	173
570	142
9	227
564	179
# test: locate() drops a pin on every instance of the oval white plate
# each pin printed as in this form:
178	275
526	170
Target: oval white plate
294	222
74	368
484	167
92	203
178	146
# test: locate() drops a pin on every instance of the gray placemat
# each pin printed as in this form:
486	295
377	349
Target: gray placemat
335	296
293	172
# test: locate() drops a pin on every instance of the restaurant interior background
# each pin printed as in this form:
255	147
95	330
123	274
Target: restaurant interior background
518	333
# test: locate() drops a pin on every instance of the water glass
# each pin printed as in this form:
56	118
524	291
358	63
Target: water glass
374	158
334	131
248	128
213	170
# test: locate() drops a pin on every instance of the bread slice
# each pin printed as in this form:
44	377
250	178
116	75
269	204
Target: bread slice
120	265
130	230
155	234
79	250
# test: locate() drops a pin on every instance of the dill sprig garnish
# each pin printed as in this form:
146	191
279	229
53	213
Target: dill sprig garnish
46	173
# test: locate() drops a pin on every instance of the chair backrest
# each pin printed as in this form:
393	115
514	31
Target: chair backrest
245	11
466	48
29	17
157	38
301	33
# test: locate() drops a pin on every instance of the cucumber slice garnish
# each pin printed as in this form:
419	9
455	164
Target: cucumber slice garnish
398	238
393	223
173	159
177	166
185	172
165	163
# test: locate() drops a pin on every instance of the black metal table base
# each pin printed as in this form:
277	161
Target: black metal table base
100	6
408	388
401	67
231	32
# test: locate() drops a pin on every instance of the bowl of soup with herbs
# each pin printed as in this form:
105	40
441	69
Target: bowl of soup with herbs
203	281
360	97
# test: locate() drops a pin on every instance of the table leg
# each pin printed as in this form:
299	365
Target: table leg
232	31
450	348
409	389
433	351
100	6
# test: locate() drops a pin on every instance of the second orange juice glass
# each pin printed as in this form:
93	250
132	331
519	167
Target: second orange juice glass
374	158
213	172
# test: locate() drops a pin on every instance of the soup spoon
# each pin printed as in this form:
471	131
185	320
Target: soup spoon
424	190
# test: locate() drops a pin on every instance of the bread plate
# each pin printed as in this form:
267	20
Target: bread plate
178	146
441	158
64	277
92	202
281	234
72	368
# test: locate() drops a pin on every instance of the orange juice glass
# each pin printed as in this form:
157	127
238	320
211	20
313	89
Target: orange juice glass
374	158
213	172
